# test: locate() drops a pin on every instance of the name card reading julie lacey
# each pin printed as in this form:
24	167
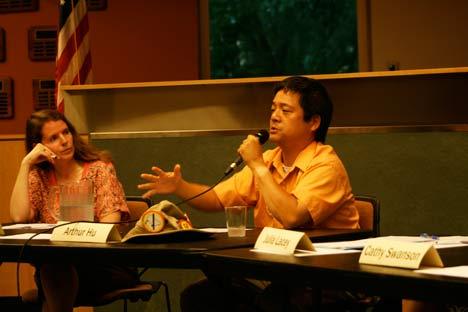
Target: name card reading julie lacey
399	254
85	232
283	242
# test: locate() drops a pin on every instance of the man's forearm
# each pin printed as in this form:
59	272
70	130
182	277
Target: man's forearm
282	205
208	201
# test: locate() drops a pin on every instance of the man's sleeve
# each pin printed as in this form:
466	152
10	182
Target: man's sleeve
238	190
321	191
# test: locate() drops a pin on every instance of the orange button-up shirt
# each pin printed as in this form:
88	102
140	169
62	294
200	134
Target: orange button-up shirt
317	179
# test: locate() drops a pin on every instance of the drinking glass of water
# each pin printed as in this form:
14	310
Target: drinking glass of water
236	219
77	201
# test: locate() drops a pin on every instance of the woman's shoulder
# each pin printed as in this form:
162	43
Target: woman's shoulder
97	166
37	173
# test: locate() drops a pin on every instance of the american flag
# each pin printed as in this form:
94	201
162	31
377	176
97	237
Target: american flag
73	64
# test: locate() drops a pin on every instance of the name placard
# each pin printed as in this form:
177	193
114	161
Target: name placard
86	232
282	241
400	254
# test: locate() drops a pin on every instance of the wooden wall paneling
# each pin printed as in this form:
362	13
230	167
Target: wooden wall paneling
11	154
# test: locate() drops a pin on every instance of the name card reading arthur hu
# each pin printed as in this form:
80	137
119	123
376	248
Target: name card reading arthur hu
282	241
86	232
400	254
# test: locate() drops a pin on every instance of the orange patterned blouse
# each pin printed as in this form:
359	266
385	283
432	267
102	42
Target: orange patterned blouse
109	196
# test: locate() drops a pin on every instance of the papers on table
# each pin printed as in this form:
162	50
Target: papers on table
32	226
322	251
27	230
27	236
309	253
217	230
456	271
354	244
441	242
451	241
214	230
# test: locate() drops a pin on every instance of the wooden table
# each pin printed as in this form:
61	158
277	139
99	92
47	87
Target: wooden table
342	271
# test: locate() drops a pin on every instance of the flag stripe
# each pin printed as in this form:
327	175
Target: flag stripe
67	30
73	63
76	62
71	47
84	70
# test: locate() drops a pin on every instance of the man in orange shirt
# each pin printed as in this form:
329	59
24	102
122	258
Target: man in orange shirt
301	183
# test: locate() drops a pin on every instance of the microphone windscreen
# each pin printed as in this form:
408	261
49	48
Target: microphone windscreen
263	136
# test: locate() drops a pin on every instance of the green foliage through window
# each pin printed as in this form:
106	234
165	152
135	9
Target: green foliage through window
250	38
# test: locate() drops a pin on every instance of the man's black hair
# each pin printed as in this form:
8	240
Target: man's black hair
314	100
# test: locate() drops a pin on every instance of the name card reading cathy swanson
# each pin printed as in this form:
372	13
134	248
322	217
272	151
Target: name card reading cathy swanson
282	241
400	254
86	232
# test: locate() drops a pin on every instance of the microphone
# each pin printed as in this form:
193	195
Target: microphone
262	136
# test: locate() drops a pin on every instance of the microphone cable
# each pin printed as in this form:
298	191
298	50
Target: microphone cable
205	191
262	136
21	253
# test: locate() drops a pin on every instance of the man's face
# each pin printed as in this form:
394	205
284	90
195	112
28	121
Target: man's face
287	123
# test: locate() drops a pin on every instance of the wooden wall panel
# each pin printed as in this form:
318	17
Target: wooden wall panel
11	154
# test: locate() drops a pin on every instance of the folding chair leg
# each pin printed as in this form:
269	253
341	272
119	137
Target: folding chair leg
168	300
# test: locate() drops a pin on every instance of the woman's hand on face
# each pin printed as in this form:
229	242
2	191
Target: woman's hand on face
161	182
38	154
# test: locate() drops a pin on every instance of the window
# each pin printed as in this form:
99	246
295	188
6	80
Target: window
282	37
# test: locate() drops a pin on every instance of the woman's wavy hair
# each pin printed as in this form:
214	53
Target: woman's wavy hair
83	151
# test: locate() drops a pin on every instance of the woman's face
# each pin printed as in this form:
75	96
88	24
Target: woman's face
58	138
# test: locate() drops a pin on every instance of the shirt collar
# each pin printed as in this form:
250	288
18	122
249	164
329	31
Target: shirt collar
302	161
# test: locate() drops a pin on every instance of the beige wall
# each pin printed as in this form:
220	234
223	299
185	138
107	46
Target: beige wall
417	34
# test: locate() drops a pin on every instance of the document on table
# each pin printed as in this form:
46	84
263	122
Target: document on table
309	253
217	230
34	226
456	271
451	241
27	236
345	245
214	230
440	242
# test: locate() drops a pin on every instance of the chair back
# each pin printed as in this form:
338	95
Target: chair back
137	205
369	213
